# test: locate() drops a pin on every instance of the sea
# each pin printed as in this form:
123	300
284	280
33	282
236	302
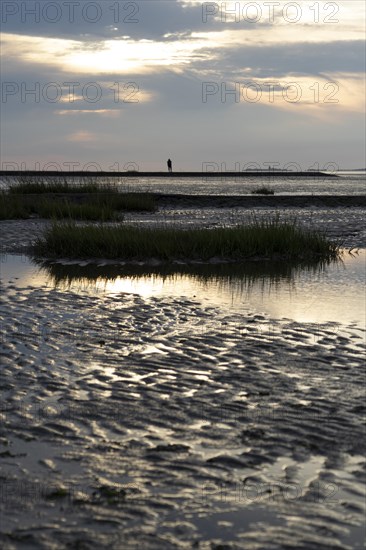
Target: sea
346	183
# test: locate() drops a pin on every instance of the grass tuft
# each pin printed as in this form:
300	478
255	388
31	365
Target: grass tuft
270	238
12	208
93	207
22	207
24	185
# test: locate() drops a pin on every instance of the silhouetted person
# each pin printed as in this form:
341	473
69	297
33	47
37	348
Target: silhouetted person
169	163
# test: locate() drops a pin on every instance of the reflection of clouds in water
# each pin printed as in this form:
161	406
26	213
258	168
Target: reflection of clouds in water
313	296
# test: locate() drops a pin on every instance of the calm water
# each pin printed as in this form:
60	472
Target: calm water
348	183
345	184
333	293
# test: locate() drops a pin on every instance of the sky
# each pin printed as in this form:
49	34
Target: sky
126	85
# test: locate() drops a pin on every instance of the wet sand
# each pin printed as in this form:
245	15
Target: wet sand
157	421
258	201
162	423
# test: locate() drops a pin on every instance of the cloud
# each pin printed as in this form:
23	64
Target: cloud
122	57
149	19
153	19
103	112
167	56
82	137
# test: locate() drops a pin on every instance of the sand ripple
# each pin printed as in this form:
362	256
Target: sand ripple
159	423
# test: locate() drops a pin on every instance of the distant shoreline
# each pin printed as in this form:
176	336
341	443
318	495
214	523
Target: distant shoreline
203	175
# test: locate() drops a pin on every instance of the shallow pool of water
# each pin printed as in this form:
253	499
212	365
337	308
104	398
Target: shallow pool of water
333	293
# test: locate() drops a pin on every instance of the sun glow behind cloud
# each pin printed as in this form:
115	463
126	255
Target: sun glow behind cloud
82	136
106	112
321	98
126	56
169	59
120	57
110	57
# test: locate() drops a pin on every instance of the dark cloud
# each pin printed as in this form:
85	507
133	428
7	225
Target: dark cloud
302	58
149	19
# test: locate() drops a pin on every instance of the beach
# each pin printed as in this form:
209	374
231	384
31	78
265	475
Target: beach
200	408
182	276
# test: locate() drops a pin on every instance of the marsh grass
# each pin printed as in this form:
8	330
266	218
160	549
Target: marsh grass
101	192
13	208
263	191
24	185
93	207
269	239
21	207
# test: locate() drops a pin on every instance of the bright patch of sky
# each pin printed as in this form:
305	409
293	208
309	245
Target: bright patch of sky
156	66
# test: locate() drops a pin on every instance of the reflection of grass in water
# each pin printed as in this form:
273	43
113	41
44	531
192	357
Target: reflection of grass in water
270	238
242	276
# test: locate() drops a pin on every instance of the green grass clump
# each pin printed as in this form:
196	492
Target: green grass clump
263	191
23	207
260	238
93	207
87	199
11	208
30	185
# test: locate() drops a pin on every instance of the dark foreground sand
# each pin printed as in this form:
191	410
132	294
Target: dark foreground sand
163	423
131	422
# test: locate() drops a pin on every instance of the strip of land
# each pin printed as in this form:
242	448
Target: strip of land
180	175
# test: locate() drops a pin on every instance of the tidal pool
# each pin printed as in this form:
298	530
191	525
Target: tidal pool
313	293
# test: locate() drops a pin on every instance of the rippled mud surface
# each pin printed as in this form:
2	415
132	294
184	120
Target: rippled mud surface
134	419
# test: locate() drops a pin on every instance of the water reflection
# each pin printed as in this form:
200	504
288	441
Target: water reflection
331	291
243	275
